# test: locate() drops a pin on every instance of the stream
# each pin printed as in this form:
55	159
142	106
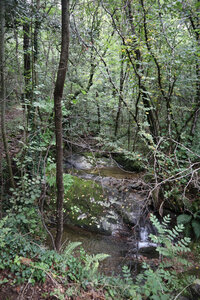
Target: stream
107	213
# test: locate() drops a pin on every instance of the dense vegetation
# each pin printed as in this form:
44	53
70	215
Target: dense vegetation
122	78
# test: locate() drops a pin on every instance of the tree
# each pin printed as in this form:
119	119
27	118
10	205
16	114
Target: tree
3	90
58	92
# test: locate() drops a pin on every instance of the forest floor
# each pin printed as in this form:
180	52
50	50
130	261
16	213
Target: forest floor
49	290
52	290
13	118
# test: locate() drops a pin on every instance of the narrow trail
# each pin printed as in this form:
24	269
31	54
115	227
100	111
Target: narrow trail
13	118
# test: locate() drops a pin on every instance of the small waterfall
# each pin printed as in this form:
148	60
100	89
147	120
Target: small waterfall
144	238
144	234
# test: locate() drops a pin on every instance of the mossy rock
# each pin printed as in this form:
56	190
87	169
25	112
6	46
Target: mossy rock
128	164
96	158
84	203
95	155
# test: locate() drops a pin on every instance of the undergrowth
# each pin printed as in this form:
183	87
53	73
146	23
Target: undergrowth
24	256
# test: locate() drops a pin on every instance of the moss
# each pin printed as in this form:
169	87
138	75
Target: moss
95	155
84	202
88	154
129	164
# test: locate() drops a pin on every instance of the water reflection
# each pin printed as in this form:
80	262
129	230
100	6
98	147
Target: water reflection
94	243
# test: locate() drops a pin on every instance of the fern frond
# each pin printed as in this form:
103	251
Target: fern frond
92	263
70	248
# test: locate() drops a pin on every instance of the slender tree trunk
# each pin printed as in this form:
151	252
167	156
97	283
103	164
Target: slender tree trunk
35	42
121	85
139	73
27	60
197	100
58	93
2	90
129	132
27	77
98	112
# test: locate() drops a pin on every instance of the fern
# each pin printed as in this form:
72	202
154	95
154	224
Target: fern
127	275
92	262
161	283
70	248
170	238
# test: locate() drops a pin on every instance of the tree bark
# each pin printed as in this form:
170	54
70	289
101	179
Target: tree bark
27	60
137	66
35	42
58	93
2	90
121	86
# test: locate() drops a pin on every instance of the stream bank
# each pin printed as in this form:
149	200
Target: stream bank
105	210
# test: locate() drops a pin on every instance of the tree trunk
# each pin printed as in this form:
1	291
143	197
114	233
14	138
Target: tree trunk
139	71
121	86
2	90
196	29
27	97
27	60
98	113
58	92
35	42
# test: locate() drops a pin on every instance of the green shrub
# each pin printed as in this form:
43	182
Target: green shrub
191	223
163	281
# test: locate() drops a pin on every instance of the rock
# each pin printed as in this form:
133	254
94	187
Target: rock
84	203
147	250
78	162
136	185
103	196
195	291
128	163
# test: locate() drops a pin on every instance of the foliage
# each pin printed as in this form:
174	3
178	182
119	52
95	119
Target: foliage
133	84
191	223
3	231
132	161
23	215
51	177
163	282
20	226
92	265
169	237
174	172
31	262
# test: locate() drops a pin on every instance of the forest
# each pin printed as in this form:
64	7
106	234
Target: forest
100	149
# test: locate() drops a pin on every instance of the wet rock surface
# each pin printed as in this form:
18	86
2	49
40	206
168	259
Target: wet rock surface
78	162
121	199
104	209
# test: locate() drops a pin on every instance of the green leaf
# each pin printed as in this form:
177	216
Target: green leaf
197	4
184	219
196	228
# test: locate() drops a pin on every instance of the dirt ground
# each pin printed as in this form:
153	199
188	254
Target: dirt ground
13	118
43	291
